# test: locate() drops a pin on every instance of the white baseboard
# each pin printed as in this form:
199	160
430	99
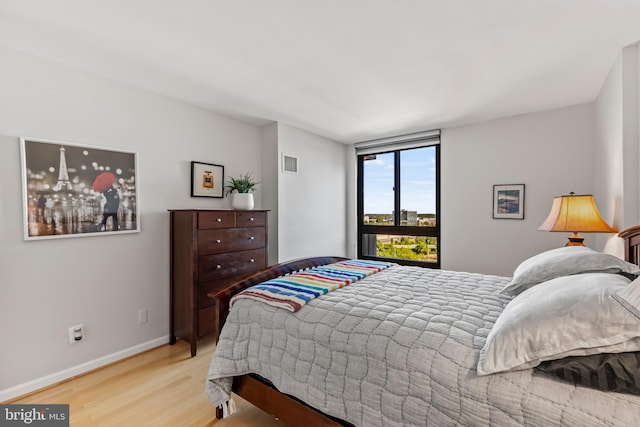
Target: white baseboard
56	377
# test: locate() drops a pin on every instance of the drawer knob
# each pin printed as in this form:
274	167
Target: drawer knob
252	238
218	219
218	267
218	241
252	260
251	219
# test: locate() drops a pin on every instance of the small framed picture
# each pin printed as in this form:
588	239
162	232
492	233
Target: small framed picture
207	180
508	201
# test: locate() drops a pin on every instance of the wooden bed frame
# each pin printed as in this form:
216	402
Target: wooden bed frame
254	389
294	412
631	238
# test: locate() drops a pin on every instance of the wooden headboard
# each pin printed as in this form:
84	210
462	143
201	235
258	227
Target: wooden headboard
631	238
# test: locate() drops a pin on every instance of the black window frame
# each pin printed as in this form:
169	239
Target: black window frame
397	229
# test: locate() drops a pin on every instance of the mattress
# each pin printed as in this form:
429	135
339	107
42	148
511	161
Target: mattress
400	348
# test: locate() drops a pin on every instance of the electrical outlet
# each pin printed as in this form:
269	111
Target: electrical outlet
76	333
143	316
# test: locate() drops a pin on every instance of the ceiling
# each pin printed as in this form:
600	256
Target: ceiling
349	70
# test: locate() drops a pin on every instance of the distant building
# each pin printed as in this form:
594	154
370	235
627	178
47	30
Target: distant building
408	217
427	221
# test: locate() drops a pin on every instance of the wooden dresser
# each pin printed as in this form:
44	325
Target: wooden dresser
209	249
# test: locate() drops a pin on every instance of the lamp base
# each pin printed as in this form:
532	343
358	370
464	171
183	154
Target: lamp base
575	240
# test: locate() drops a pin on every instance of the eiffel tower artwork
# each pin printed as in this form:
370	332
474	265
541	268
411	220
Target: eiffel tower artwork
61	197
63	175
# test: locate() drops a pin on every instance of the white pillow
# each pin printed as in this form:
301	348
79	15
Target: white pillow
563	262
566	316
629	298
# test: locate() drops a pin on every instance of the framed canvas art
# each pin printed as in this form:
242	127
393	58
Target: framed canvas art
508	201
72	190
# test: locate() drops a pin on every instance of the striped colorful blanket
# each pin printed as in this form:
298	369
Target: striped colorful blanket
293	291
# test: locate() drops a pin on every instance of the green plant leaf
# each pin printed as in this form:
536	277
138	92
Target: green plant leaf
243	184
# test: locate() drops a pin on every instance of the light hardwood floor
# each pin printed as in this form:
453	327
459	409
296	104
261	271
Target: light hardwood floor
160	387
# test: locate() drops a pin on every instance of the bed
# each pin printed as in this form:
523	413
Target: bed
412	346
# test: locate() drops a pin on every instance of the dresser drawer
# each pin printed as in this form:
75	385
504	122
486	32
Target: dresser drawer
217	219
251	219
230	240
222	266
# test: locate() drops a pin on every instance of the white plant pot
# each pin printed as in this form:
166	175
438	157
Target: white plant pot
242	201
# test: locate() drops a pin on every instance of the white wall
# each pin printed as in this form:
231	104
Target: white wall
311	203
631	121
551	152
48	286
617	183
269	184
351	165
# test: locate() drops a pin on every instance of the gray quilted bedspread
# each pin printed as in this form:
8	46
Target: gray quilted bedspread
400	348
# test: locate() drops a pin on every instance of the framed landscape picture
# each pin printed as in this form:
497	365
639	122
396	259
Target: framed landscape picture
207	180
72	190
508	201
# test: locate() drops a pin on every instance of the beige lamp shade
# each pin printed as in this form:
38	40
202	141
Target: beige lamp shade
575	214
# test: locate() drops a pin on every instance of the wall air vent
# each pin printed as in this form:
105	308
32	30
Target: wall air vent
289	164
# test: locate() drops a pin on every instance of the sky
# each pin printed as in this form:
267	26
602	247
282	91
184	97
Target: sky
43	157
417	182
41	161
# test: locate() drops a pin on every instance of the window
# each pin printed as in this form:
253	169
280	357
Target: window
398	204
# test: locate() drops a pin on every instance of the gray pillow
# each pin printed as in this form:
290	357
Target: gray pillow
629	298
619	372
565	316
563	262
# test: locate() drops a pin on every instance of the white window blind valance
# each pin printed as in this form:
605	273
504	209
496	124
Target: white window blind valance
400	142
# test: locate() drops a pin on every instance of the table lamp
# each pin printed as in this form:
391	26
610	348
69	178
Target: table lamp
575	214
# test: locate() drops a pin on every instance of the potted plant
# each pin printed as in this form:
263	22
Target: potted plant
241	189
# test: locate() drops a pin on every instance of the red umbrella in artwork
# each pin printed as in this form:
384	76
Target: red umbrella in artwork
103	182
